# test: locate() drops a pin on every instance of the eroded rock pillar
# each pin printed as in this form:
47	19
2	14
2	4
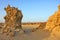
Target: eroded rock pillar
13	20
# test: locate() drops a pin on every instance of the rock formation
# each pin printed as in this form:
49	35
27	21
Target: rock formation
13	20
54	20
53	25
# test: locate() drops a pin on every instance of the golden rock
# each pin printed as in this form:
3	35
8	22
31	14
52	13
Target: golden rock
13	19
53	20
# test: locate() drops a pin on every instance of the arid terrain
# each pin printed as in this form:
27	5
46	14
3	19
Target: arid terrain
14	29
33	31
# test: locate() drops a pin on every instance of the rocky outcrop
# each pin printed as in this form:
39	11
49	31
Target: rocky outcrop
54	20
13	20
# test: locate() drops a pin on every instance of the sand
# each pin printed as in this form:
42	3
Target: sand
38	34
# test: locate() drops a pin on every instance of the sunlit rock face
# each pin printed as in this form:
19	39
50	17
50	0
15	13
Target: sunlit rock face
13	19
54	20
53	25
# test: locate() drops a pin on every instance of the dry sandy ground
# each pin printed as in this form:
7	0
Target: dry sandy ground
39	34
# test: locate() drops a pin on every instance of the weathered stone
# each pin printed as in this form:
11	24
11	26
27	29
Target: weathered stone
54	20
13	19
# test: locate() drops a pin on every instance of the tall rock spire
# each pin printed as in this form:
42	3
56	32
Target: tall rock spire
12	20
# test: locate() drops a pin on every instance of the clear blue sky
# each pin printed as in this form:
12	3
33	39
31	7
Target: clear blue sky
33	10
